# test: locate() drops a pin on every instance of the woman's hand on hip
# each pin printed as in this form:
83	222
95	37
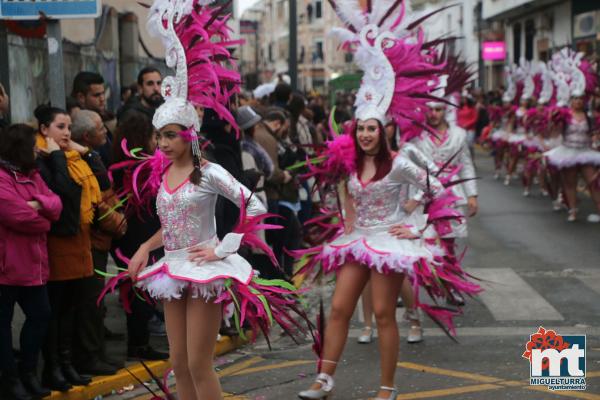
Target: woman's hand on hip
402	231
138	262
202	255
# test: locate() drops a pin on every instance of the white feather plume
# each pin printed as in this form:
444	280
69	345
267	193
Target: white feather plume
350	12
343	35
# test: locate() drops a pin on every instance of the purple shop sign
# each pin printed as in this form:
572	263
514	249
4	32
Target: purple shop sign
494	51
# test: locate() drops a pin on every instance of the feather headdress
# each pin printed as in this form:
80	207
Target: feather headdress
196	37
390	48
573	75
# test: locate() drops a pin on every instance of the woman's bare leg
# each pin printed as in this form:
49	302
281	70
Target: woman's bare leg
385	291
175	322
569	182
367	305
351	280
408	298
203	323
589	174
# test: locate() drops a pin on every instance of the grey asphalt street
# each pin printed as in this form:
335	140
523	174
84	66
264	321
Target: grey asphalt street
539	270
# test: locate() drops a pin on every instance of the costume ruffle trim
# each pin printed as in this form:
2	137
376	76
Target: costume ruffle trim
565	157
162	285
334	256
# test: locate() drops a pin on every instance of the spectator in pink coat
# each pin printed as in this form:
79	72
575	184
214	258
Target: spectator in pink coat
27	209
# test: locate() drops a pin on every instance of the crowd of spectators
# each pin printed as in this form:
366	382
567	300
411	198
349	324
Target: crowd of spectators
62	226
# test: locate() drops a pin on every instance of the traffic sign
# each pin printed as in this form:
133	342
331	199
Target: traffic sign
57	9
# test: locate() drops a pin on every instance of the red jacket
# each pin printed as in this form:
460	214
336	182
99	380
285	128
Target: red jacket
23	248
467	117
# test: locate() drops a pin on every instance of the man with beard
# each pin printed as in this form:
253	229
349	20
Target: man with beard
149	97
89	92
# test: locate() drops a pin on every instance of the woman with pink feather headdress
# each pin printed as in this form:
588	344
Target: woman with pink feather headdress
575	79
536	123
504	116
200	279
516	139
384	237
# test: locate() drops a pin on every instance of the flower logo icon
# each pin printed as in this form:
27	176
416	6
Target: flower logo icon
545	339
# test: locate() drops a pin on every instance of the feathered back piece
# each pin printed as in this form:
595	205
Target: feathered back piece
547	87
389	47
457	75
526	70
196	37
572	75
511	84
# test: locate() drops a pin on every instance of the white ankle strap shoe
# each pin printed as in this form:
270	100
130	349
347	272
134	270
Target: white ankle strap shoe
393	393
324	392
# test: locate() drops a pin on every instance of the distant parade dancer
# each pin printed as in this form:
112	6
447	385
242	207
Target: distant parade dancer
518	135
541	135
561	136
575	80
505	117
386	236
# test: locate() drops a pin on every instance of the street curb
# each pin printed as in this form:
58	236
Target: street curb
104	385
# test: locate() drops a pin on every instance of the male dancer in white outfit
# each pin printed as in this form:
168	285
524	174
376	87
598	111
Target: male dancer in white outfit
451	140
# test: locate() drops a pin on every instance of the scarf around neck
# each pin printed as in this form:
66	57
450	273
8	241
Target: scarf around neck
82	175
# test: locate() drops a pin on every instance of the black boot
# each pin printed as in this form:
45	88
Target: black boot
32	384
53	378
12	388
72	375
66	365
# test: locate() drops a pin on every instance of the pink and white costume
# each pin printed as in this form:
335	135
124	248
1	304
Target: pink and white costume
573	77
379	206
187	216
196	36
576	148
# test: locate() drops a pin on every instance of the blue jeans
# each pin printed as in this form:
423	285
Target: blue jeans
34	302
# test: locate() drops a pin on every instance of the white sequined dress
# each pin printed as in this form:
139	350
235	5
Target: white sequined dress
576	148
187	215
379	206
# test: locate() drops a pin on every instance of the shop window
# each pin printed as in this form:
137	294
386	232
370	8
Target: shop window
529	36
516	42
318	9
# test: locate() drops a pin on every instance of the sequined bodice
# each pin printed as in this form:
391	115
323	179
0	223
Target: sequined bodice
187	213
381	202
577	134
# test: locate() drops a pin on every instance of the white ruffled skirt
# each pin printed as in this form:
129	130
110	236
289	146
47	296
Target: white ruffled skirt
566	157
378	250
174	274
499	136
517	138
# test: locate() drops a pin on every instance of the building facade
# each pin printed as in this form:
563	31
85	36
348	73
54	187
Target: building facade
534	29
319	56
460	20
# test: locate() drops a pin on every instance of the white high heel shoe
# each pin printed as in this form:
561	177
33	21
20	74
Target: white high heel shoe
415	334
393	393
367	335
324	392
